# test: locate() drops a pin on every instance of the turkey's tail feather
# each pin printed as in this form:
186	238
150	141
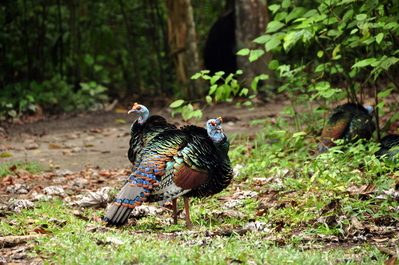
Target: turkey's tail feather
127	199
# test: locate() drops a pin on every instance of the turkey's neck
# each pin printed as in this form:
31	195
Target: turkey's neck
142	118
223	145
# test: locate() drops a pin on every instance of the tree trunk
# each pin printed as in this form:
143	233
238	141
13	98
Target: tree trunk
75	53
183	40
133	84
251	21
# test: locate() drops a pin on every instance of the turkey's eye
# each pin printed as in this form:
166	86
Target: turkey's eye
137	107
213	123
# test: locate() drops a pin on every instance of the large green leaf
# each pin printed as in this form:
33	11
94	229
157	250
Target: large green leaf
361	17
295	13
255	54
389	62
280	16
364	62
274	26
243	52
294	36
384	93
379	37
274	8
262	39
176	103
273	43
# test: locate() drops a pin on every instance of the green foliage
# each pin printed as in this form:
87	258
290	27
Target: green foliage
353	43
221	90
53	96
120	45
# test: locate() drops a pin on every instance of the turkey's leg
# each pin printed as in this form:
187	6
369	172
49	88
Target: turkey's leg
174	208
187	209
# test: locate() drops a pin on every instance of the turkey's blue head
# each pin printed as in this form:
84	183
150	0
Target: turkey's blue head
141	110
215	130
370	110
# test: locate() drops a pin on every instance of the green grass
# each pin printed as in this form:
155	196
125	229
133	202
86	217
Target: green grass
72	244
10	168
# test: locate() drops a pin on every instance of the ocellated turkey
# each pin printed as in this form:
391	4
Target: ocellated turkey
389	147
350	122
169	163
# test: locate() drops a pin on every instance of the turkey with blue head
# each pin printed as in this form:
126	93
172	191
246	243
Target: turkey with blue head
144	128
389	147
349	122
171	163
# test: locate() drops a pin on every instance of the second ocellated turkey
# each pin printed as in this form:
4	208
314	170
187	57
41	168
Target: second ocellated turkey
350	122
389	147
169	163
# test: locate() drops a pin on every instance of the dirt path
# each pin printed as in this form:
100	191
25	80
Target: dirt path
99	140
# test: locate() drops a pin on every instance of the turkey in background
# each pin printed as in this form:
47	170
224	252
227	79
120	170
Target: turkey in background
389	147
169	163
350	122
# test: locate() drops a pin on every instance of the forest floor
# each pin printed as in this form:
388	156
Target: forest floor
100	139
88	151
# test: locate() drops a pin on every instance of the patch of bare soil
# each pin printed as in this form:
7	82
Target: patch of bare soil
101	139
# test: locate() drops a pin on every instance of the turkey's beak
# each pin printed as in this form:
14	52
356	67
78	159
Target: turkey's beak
130	111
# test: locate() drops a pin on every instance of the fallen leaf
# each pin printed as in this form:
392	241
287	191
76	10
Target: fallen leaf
261	212
233	261
104	173
277	228
80	215
32	146
23	172
380	239
96	218
120	121
119	110
362	190
72	136
42	231
6	154
114	241
387	251
89	138
96	130
356	223
391	261
9	241
54	146
334	204
7	179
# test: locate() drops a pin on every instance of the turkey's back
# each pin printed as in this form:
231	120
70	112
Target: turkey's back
141	134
